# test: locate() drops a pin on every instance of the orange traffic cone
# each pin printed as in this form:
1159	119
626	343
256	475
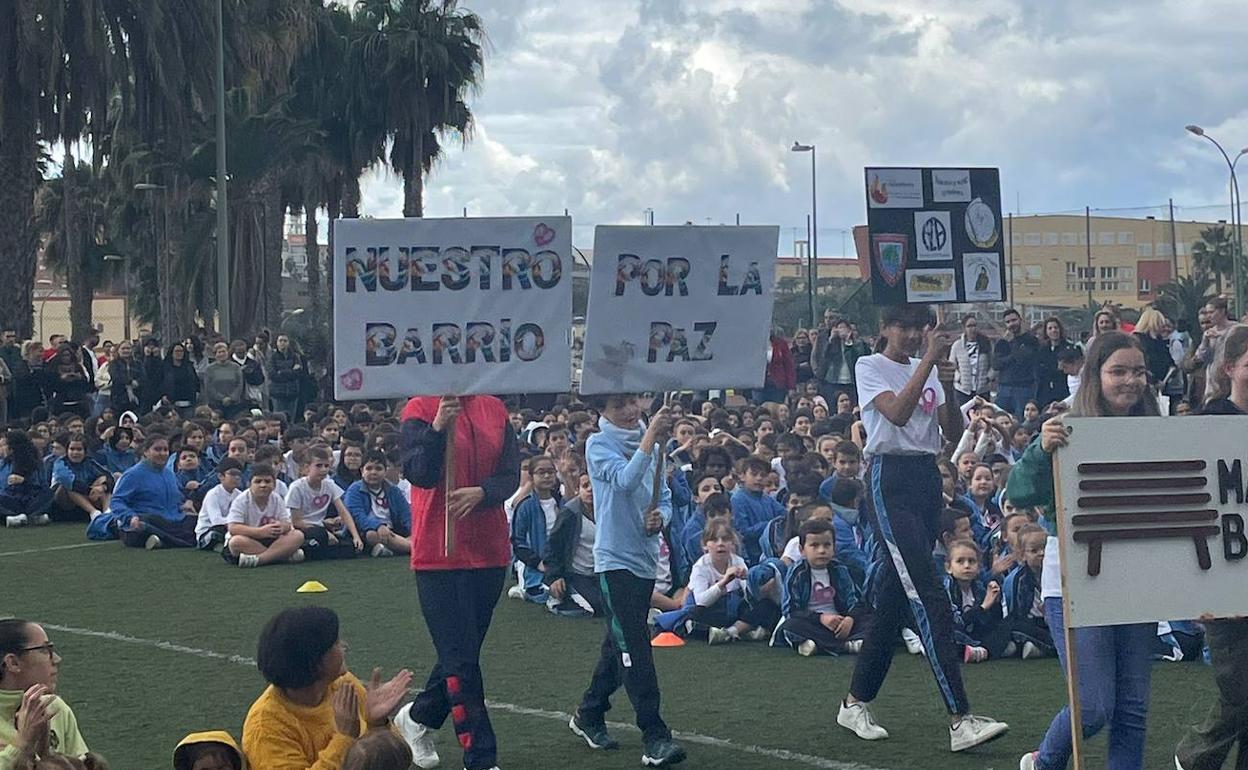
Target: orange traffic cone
667	639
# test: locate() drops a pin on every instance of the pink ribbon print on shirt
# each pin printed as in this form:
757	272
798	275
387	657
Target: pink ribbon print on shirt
928	400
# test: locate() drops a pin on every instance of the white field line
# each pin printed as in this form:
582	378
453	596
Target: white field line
782	755
50	548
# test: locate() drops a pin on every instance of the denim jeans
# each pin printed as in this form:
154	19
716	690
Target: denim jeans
1115	670
1012	398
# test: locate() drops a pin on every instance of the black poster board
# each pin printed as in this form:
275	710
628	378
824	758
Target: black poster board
935	235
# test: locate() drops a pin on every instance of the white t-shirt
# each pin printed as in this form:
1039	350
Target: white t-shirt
663	572
704	579
1051	572
245	511
313	504
405	487
793	550
583	552
878	374
822	592
215	510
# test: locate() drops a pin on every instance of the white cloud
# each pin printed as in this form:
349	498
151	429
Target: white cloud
607	107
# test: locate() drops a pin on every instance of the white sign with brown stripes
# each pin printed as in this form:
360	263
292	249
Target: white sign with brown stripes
1152	518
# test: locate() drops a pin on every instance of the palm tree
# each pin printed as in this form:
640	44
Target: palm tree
1182	298
1214	253
426	55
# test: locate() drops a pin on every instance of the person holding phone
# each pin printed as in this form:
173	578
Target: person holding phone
632	505
905	403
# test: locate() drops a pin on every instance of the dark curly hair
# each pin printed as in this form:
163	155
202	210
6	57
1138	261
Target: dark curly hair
293	643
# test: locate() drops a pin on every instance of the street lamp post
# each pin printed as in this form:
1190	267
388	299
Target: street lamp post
223	209
1237	243
812	255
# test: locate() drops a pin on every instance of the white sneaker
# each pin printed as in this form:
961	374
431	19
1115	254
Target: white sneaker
857	718
974	655
807	648
652	616
42	520
1177	765
1028	762
418	738
248	560
914	645
380	551
515	592
719	636
758	634
1031	651
152	543
853	647
19	520
1010	650
974	731
297	557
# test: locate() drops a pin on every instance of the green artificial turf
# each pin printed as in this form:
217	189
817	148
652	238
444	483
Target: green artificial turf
135	700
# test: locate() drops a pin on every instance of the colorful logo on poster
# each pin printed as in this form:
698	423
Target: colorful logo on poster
890	256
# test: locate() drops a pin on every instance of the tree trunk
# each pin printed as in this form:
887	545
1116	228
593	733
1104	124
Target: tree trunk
351	197
314	260
81	293
414	178
256	257
274	232
18	177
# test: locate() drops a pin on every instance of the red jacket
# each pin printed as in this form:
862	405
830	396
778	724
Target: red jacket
486	456
781	369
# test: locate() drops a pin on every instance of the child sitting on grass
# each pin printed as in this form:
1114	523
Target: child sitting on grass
317	511
717	584
987	514
211	750
259	525
212	528
194	480
752	509
531	524
1005	550
689	539
569	557
822	606
977	614
1024	607
380	510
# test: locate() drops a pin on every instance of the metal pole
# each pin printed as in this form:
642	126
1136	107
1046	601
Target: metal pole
1010	294
125	283
1087	226
1238	245
1174	242
814	236
223	207
810	278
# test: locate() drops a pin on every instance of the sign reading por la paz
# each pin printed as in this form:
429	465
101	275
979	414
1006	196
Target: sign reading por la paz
1152	518
452	306
674	308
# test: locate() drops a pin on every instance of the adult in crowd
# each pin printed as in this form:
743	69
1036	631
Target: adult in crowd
1152	333
1051	382
1014	357
314	708
971	354
905	404
1115	662
285	368
1207	746
253	373
127	379
29	381
11	357
803	349
199	354
34	722
223	382
1209	352
1105	320
179	385
835	355
261	351
69	384
458	587
781	375
153	375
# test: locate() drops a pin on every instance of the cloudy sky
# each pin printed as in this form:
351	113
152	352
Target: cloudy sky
689	107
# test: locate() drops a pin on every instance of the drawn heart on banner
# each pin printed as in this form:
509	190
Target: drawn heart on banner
543	234
352	379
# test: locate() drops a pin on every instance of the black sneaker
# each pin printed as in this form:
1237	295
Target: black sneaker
662	752
595	735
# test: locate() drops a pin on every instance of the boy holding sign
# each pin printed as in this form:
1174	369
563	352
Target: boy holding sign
904	404
631	505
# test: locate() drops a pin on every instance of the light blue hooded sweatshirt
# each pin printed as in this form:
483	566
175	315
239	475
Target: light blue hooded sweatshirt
623	480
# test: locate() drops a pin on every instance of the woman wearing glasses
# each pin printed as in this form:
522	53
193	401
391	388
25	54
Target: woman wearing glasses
34	722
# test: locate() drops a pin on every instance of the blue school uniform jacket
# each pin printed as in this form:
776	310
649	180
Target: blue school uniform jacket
115	461
690	540
148	491
359	501
76	477
32	497
975	621
751	513
206	478
1019	591
796	594
528	535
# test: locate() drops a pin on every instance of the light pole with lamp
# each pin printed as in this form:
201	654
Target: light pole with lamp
813	254
125	282
1237	242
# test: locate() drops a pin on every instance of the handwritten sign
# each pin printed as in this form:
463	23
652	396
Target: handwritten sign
452	306
1152	518
674	308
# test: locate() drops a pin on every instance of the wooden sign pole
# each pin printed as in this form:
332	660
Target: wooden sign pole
1072	653
658	467
448	465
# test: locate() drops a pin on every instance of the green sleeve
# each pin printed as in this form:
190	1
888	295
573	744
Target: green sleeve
9	756
65	725
1031	480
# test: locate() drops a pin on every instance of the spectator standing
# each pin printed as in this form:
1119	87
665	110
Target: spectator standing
285	368
971	354
781	374
153	374
1014	357
802	351
126	376
1150	330
1051	382
29	382
835	355
70	384
253	372
223	382
179	385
